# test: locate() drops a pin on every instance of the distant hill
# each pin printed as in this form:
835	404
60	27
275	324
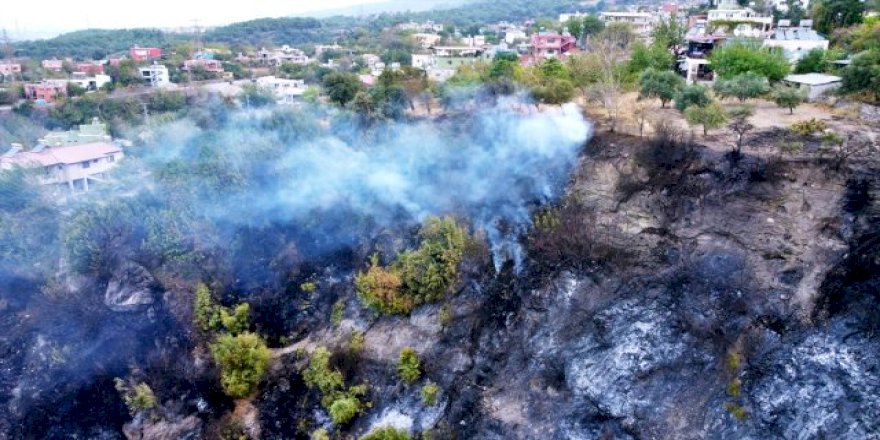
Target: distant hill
96	43
389	6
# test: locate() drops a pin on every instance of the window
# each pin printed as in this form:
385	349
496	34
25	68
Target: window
111	159
86	164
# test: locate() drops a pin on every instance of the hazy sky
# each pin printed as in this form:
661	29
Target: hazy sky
24	19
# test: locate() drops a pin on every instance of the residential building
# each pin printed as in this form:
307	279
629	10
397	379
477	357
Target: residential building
54	65
72	167
141	54
814	85
426	40
474	41
551	45
422	61
744	21
445	60
511	36
213	66
642	22
428	26
89	82
156	75
10	69
668	10
285	54
89	68
84	134
565	18
796	41
45	91
321	48
286	91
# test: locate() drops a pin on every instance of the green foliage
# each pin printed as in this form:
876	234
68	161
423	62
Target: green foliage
740	124
320	434
319	374
693	95
743	86
243	360
791	147
206	314
737	411
710	116
663	85
236	321
643	58
808	127
137	398
409	366
337	313
166	101
863	74
592	25
341	88
255	97
788	97
734	388
429	393
271	31
416	277
554	92
829	15
91	43
125	74
308	287
814	61
669	33
505	65
74	89
343	409
743	56
386	433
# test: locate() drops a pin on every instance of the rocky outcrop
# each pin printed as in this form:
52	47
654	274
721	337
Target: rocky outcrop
188	428
130	289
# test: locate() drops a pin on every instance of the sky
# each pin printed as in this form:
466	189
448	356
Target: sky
47	18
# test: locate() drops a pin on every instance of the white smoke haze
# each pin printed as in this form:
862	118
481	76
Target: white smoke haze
489	167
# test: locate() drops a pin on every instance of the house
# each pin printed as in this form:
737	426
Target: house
815	85
45	91
565	18
285	54
551	45
84	134
54	65
286	91
694	64
10	69
642	22
422	61
156	74
739	20
426	40
445	60
89	82
796	41
89	68
141	54
213	66
72	167
513	35
474	41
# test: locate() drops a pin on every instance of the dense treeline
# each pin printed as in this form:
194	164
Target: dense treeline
93	43
487	11
271	31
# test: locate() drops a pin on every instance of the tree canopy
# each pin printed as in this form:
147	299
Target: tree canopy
741	56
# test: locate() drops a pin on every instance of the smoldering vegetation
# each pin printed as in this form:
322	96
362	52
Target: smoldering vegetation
250	202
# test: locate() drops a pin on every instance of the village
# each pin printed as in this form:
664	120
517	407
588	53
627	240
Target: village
428	59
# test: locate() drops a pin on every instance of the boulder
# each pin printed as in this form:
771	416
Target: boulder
130	289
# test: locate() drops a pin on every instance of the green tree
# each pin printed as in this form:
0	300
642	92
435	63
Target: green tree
206	313
643	57
344	409
592	26
554	92
341	88
386	433
505	65
662	85
829	15
692	95
243	360
409	366
710	116
74	89
863	74
788	97
137	396
669	33
253	96
738	57
744	86
575	27
429	393
740	124
813	62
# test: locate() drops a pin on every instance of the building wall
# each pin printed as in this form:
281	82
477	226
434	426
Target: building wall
77	175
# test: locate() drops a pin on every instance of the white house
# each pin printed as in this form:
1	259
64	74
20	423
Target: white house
745	21
796	41
426	40
422	61
513	35
814	84
72	167
642	22
90	82
156	74
565	18
286	91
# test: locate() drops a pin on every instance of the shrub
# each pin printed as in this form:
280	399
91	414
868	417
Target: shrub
743	86
320	434
319	374
386	433
710	116
739	57
662	85
814	61
737	411
238	320
429	393
792	147
243	360
308	287
343	409
416	277
337	313
863	74
788	97
694	95
808	127
408	365
137	398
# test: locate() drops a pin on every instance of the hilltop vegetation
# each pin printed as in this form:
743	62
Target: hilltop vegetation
93	43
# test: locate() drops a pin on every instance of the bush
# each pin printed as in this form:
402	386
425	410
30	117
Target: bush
738	57
808	127
408	365
344	409
243	360
744	86
386	433
206	314
663	85
694	95
416	277
429	393
320	434
788	97
814	61
238	320
710	116
863	74
137	398
337	313
319	374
